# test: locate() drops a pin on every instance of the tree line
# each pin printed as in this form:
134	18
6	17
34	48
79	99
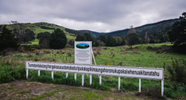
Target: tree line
102	40
176	34
20	34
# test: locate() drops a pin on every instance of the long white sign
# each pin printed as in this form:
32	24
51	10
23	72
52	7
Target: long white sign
82	50
134	72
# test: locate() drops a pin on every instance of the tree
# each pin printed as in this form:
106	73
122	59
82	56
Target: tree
7	39
111	41
80	37
119	41
147	39
153	40
102	38
23	34
43	35
166	37
177	34
58	39
108	40
29	36
165	33
131	30
96	42
0	27
88	37
115	41
71	42
142	41
123	41
132	39
101	43
44	39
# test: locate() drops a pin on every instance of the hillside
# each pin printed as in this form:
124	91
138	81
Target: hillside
93	33
44	27
152	28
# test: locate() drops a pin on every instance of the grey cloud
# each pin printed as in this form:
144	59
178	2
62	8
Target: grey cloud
113	14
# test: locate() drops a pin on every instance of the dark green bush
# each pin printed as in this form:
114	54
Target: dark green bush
22	72
5	77
153	90
15	74
169	92
8	74
44	79
101	87
58	39
175	90
128	87
177	71
7	39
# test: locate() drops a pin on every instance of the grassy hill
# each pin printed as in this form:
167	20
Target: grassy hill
43	27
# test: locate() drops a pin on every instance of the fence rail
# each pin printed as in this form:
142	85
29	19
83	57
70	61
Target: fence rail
133	72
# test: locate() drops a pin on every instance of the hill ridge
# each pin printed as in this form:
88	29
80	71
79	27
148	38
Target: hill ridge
150	28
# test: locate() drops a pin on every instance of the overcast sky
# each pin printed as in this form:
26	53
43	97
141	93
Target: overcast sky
95	15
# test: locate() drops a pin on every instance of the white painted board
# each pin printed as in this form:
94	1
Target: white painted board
133	72
82	52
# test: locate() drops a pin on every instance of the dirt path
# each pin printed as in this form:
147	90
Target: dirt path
42	91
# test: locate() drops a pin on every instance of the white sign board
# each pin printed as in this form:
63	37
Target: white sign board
134	72
82	52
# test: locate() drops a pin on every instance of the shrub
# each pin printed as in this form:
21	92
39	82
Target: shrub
58	39
111	41
5	77
129	86
29	47
8	74
132	39
101	87
71	42
68	46
7	39
177	34
181	97
177	72
154	90
44	43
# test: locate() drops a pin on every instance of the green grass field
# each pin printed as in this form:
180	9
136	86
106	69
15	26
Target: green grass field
138	56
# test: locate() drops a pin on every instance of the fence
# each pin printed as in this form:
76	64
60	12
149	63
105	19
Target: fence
133	72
